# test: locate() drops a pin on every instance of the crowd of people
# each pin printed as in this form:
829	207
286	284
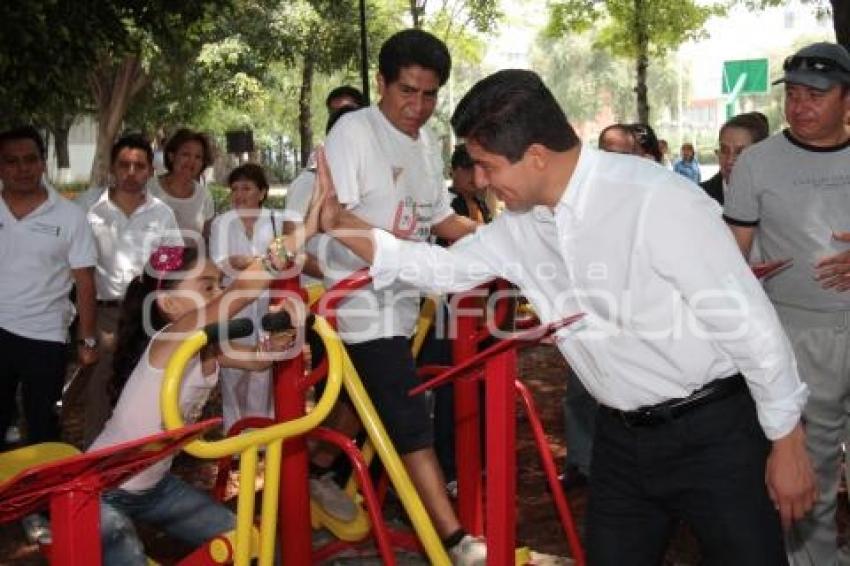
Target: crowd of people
695	393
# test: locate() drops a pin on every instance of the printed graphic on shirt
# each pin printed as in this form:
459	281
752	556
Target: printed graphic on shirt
413	219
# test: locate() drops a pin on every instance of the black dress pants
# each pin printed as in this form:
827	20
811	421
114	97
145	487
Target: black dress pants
706	467
39	366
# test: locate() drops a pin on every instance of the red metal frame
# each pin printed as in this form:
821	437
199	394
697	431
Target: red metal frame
72	488
294	502
498	373
501	388
294	511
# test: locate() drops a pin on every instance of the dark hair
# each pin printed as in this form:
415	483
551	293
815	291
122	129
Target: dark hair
623	128
647	141
132	337
346	91
24	133
687	145
182	136
131	141
510	110
250	172
755	123
461	158
334	116
414	47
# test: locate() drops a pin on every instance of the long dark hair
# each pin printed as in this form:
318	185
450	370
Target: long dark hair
133	336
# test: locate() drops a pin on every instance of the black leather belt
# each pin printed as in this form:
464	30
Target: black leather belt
109	304
667	411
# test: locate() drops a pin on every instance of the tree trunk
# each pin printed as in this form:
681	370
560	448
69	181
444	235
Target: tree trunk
305	128
841	21
112	88
414	13
642	62
60	131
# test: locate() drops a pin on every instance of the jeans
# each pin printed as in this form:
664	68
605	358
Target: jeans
173	506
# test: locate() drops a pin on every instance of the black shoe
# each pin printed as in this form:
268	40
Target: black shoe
572	478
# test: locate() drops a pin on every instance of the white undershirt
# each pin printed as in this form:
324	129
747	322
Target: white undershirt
191	212
138	412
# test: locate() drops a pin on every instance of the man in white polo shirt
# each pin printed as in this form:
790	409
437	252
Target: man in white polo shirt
128	223
45	246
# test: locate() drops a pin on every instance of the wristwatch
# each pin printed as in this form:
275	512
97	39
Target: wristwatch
89	342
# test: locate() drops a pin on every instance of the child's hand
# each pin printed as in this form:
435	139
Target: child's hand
283	341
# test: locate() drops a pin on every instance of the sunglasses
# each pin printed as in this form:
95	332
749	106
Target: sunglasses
818	64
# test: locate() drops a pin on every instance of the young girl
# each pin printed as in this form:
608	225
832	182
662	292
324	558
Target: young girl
186	155
236	237
178	293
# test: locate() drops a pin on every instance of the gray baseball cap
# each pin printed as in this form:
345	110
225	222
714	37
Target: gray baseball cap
819	65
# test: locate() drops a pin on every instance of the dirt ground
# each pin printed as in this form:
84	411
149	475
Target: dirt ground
542	369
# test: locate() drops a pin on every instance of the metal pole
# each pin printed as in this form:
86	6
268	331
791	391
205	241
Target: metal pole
364	53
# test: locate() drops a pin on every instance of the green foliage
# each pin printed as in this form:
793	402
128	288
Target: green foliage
666	24
52	47
635	29
586	80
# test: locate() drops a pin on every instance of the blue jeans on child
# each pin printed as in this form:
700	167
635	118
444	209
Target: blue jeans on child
172	506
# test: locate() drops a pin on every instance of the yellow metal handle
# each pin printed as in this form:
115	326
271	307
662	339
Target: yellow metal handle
423	324
170	399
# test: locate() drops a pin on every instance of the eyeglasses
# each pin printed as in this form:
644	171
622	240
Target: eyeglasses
819	64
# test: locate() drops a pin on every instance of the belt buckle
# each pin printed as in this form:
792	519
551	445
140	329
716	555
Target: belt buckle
647	417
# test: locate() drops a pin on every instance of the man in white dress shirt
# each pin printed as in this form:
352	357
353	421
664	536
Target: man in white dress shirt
699	392
128	224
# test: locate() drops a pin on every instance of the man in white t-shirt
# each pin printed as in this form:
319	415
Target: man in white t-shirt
389	172
128	223
45	246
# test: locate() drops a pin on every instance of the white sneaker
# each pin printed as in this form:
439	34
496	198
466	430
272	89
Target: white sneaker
37	529
332	498
13	435
470	551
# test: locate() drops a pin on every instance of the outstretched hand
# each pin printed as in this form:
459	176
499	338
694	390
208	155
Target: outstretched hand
833	272
330	206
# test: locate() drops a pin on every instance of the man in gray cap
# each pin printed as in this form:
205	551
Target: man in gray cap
793	189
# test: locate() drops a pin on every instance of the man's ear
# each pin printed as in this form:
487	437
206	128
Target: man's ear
537	156
382	83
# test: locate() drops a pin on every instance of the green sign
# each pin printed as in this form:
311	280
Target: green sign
745	76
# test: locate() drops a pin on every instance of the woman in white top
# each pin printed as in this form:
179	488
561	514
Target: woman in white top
178	292
236	237
187	154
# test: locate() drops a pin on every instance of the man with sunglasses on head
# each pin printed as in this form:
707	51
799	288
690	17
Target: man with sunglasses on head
793	189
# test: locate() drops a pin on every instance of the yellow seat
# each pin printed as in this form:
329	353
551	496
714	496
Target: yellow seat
16	461
354	530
